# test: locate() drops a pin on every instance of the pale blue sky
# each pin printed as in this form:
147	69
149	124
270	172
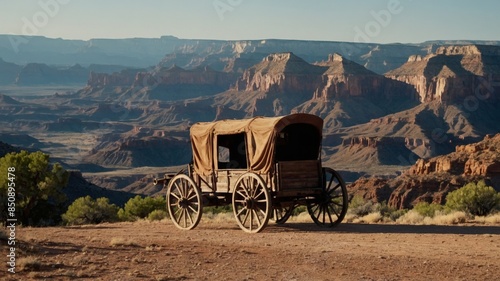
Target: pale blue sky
382	21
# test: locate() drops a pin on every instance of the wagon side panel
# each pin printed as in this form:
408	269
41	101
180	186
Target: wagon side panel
299	178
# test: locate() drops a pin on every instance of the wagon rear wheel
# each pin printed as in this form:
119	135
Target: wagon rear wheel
251	203
282	213
329	208
184	202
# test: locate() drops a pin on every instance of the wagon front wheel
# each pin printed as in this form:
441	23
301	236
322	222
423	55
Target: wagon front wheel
184	202
329	208
251	203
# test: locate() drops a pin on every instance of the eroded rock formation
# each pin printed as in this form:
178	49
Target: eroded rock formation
452	73
430	180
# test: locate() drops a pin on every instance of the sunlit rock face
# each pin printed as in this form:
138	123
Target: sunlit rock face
453	73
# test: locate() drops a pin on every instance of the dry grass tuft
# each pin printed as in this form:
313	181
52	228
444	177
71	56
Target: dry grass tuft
445	219
413	217
491	219
370	218
302	217
212	218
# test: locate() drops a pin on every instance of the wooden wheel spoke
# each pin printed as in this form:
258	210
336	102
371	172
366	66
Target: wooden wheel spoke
329	214
241	194
176	196
194	196
189	216
332	190
240	212
260	193
177	212
190	207
246	216
257	217
186	215
335	212
329	184
257	208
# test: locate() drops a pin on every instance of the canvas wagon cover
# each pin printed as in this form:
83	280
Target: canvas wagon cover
261	133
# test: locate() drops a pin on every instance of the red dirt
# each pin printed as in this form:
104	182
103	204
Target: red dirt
219	250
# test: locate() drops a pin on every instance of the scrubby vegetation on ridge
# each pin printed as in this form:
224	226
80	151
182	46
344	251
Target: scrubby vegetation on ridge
462	206
474	202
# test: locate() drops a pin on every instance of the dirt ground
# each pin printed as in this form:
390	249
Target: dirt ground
219	250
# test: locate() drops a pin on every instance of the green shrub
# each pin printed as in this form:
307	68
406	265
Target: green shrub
37	186
396	214
86	210
218	209
299	210
428	210
388	212
360	207
157	215
475	199
139	207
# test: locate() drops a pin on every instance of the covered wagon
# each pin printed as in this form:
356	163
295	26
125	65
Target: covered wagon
263	167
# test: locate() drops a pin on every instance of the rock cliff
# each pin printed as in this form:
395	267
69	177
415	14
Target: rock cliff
284	83
41	74
430	180
453	74
281	73
123	78
160	83
344	78
477	159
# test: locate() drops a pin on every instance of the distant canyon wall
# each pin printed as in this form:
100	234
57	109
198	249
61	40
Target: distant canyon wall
453	74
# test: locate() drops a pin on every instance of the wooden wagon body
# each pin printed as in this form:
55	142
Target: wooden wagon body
264	167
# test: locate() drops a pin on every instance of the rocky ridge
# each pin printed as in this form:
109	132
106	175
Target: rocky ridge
452	73
430	180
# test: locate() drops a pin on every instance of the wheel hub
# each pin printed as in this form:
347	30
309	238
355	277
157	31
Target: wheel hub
183	203
249	203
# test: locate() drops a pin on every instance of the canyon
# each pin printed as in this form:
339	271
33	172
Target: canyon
386	107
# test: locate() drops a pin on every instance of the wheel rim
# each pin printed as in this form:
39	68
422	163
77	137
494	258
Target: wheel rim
184	202
282	213
330	207
251	203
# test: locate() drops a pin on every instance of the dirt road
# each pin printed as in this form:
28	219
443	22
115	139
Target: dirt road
219	250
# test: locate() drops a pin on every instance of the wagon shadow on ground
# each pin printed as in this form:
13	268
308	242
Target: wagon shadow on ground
389	228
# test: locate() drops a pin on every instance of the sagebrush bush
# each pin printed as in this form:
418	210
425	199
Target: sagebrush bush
428	209
86	210
157	215
477	199
139	207
360	207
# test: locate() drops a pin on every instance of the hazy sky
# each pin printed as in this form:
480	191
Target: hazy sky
383	21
